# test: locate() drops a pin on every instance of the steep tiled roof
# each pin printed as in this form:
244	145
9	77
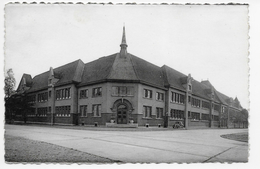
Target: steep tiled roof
97	70
147	72
28	81
173	77
66	73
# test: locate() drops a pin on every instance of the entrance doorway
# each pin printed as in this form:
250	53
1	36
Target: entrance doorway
122	114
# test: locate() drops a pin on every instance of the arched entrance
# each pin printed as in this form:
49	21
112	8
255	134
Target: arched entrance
122	114
122	111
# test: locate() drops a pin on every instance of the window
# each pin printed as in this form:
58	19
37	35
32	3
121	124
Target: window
195	116
83	94
122	91
159	113
49	94
216	107
177	114
205	105
49	109
62	111
159	96
147	111
204	116
215	118
63	94
177	98
189	99
42	111
148	93
189	87
96	109
96	92
223	109
83	110
195	102
43	97
32	99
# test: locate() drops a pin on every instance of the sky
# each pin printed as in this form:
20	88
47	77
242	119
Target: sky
209	42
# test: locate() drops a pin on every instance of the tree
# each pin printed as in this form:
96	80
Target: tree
9	83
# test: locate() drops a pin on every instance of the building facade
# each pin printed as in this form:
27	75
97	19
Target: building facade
124	90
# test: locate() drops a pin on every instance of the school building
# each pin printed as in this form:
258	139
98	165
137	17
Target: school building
123	90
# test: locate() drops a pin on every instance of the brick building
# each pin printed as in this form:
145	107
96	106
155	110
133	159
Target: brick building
124	90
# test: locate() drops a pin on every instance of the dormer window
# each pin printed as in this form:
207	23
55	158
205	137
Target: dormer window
189	87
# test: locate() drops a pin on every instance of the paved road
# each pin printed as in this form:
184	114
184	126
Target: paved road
143	146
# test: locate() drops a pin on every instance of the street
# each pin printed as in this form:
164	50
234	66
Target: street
202	145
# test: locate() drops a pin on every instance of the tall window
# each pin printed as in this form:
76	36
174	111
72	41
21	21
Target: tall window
147	111
195	116
177	98
148	93
205	105
159	112
96	109
83	94
43	97
122	91
204	116
83	110
96	92
62	111
189	87
195	102
63	94
177	114
159	96
32	99
216	107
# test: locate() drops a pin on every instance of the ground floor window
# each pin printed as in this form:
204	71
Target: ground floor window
83	110
204	116
215	118
159	113
62	110
96	109
177	114
147	111
42	111
195	116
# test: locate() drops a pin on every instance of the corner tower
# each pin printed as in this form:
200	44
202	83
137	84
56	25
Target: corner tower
123	45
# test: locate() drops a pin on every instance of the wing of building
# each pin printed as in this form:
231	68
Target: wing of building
124	90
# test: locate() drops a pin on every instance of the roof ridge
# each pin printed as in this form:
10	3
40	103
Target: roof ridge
110	70
133	66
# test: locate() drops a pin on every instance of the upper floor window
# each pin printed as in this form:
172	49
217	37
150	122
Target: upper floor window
177	98
97	92
195	102
32	99
49	94
216	107
83	110
42	97
223	109
205	104
159	96
147	111
96	109
122	91
63	94
189	87
148	93
159	112
83	94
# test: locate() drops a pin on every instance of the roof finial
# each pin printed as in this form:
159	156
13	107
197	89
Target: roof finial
123	45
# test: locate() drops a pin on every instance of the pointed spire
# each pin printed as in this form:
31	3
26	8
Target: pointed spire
123	45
